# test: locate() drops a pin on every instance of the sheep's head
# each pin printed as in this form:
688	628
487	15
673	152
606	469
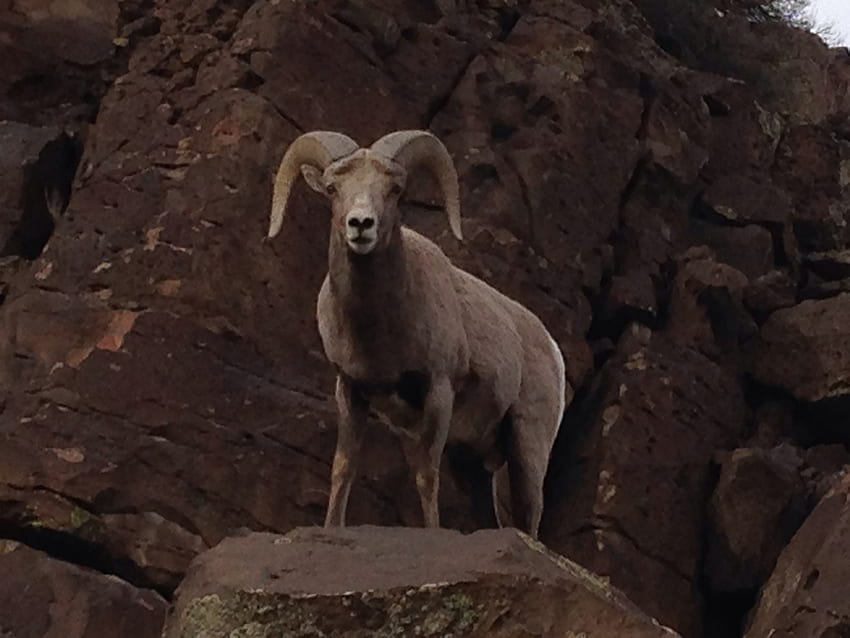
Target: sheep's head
364	184
364	189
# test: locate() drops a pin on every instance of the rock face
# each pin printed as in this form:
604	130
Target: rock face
758	504
41	596
674	210
645	458
807	592
56	58
373	581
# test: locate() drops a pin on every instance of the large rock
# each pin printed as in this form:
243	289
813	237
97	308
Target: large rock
806	81
82	30
629	503
806	596
758	504
811	164
814	335
41	596
373	581
56	58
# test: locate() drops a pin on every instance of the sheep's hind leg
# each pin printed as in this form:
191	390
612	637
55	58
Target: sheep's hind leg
352	411
500	489
424	452
528	457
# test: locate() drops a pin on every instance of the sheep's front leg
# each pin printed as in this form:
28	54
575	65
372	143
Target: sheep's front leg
424	452
352	411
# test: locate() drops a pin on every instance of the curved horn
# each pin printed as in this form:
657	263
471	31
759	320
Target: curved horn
318	148
410	148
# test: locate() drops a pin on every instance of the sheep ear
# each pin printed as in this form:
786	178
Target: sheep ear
313	177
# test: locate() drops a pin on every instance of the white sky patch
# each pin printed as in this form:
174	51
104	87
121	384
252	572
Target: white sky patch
835	15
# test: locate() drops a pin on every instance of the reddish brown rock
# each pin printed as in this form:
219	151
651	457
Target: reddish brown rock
538	196
742	199
804	349
161	380
133	467
806	596
806	81
748	249
706	310
756	507
775	290
56	58
654	225
629	504
379	581
92	25
41	596
811	165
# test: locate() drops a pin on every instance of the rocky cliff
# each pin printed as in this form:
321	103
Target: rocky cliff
667	184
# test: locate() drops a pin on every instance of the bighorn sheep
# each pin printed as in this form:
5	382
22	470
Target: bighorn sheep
438	353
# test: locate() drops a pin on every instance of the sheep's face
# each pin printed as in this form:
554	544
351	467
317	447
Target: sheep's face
364	190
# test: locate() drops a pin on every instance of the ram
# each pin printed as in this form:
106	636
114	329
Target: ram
441	356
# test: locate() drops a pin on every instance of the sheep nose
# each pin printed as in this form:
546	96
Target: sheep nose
361	222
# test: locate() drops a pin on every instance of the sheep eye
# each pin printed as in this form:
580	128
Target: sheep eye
330	189
395	189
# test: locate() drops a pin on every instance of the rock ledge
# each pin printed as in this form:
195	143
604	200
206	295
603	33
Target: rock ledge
380	581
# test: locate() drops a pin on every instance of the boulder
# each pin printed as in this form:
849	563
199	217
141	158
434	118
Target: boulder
369	581
706	309
42	596
806	596
775	290
811	166
56	58
741	199
758	504
80	31
814	335
627	502
748	249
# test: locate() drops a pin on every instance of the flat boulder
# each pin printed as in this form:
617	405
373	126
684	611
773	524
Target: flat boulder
370	581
